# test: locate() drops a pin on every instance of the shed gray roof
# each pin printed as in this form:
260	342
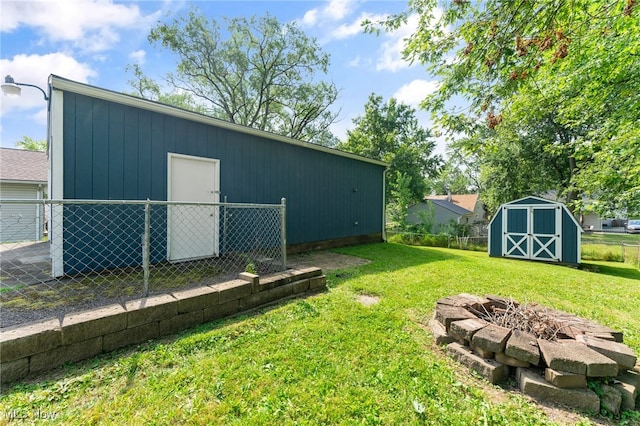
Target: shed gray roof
23	165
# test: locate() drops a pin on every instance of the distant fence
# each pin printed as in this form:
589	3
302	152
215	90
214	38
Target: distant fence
592	249
596	249
439	240
102	251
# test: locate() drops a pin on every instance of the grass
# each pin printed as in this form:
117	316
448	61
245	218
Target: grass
327	359
610	247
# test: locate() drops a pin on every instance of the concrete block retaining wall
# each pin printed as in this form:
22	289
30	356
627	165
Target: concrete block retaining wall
44	345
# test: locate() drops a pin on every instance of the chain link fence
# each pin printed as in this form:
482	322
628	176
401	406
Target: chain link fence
592	248
477	243
595	248
61	256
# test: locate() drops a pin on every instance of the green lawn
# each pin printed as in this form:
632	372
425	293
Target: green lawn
327	359
612	247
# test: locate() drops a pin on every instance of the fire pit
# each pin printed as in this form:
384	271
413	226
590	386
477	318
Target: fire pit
553	355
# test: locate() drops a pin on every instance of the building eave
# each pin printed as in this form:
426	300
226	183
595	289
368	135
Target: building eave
60	83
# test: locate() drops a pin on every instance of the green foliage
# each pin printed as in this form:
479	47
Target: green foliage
390	132
402	198
553	90
256	72
426	218
326	359
418	239
458	175
31	144
251	268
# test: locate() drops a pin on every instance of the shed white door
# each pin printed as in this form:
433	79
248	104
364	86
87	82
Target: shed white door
532	232
192	230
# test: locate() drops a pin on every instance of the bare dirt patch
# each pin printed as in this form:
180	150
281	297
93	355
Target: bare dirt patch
325	260
368	300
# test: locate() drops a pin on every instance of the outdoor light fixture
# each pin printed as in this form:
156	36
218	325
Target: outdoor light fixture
10	87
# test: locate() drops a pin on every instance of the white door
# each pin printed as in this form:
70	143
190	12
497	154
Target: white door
532	232
515	242
192	230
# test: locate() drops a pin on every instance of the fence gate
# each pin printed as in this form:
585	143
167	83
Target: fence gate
532	232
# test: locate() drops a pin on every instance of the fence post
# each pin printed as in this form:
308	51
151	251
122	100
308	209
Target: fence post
146	239
283	231
224	225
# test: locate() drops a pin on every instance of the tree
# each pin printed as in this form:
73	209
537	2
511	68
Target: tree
390	132
258	73
529	153
32	144
579	60
458	175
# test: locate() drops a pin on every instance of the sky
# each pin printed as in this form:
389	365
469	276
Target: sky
93	41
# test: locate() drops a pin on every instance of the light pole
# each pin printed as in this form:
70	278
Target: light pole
10	87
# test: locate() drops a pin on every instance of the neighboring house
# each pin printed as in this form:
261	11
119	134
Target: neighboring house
463	209
23	176
589	220
469	202
111	146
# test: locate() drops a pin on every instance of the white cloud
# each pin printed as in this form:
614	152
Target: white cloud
391	50
91	25
338	9
333	11
355	27
355	62
415	91
40	117
310	18
138	56
35	69
347	30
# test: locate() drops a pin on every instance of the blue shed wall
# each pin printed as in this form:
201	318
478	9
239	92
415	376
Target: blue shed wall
115	151
542	222
530	200
570	236
495	234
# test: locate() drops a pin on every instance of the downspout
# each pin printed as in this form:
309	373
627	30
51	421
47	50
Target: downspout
384	204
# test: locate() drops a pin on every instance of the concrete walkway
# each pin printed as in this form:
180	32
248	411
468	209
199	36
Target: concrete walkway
24	263
30	263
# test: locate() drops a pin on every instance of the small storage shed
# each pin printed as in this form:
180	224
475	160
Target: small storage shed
535	229
106	145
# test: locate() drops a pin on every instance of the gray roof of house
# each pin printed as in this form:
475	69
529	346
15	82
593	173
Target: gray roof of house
451	206
23	165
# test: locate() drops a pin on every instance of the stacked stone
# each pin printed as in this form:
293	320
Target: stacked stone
546	370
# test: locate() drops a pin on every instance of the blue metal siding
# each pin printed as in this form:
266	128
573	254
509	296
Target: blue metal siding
570	235
113	151
517	220
544	221
530	200
495	233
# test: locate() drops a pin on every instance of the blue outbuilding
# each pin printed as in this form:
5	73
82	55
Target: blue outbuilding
535	229
105	145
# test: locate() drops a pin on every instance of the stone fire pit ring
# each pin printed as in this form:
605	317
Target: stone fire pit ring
552	355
